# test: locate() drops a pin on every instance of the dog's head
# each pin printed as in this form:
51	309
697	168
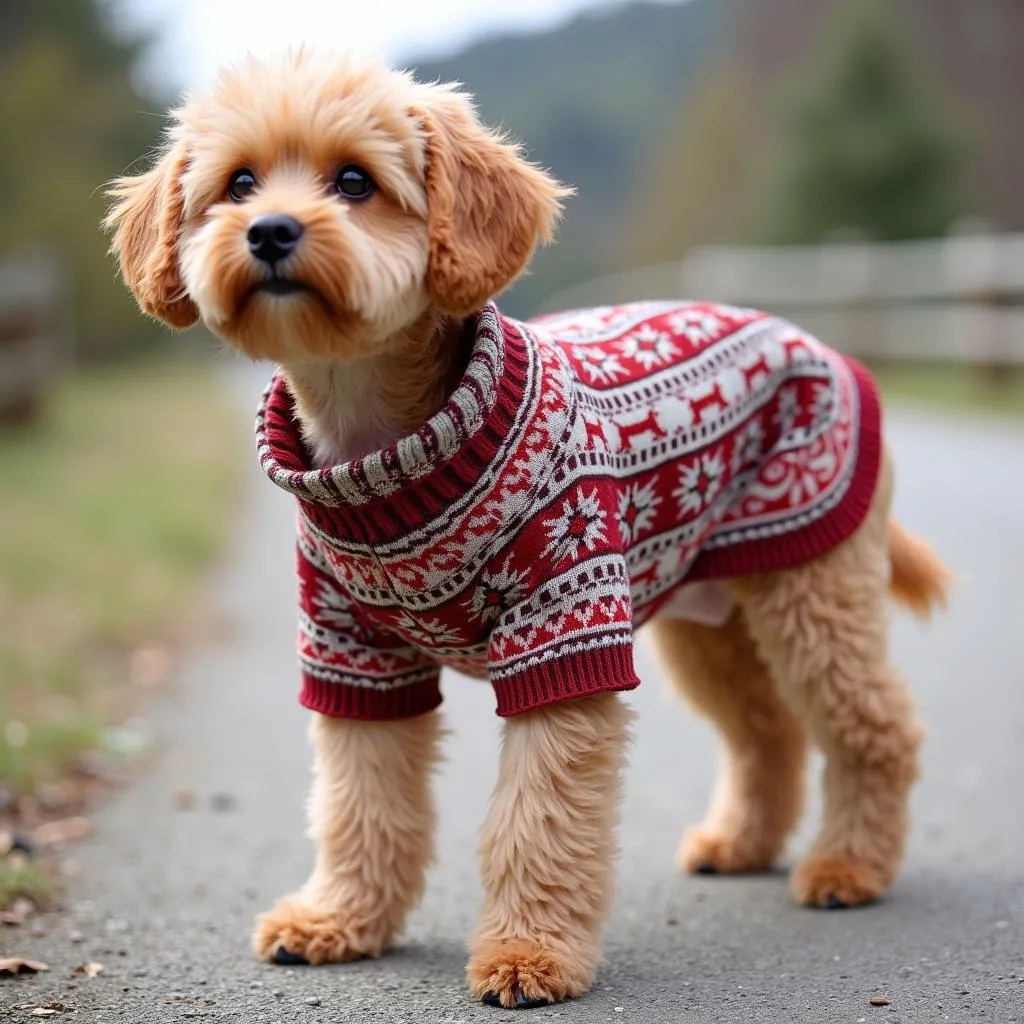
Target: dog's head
315	207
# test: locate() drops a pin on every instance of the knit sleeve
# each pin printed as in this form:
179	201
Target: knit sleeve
350	667
571	637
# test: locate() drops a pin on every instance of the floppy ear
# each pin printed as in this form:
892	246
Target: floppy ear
487	207
146	218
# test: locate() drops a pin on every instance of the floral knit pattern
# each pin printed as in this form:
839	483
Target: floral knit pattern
588	465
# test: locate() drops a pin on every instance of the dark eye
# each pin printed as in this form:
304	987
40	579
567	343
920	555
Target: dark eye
353	182
242	185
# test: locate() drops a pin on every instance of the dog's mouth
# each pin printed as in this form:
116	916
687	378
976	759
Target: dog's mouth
278	286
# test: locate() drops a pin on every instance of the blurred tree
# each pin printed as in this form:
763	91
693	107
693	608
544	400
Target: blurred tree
70	120
589	100
867	145
695	191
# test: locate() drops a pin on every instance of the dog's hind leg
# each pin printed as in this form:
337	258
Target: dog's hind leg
758	793
372	818
547	852
822	628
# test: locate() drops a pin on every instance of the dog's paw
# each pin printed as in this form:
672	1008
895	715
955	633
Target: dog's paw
296	933
835	882
520	974
704	852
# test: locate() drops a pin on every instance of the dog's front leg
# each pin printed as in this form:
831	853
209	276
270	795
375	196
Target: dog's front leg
372	818
547	852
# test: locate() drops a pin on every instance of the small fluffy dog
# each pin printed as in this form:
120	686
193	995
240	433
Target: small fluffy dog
514	499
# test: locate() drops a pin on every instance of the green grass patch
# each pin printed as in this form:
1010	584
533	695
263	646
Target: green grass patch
25	879
953	388
114	504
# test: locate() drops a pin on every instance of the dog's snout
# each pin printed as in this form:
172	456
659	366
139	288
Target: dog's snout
273	237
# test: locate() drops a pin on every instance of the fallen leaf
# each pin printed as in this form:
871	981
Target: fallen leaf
183	799
23	907
21	910
66	830
149	666
879	1001
89	970
17	965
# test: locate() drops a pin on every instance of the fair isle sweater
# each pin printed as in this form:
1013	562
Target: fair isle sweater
588	466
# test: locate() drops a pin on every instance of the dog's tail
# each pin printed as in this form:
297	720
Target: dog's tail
919	580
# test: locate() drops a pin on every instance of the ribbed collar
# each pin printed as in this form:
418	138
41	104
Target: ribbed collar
382	494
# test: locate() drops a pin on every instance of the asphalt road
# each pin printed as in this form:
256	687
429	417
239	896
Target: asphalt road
166	897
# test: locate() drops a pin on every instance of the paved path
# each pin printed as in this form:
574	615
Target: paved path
166	897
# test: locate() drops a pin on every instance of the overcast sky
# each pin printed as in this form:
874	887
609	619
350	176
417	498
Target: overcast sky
202	34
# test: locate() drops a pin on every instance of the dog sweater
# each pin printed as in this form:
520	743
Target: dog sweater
587	466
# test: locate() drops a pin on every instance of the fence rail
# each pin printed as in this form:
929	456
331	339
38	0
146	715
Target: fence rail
956	299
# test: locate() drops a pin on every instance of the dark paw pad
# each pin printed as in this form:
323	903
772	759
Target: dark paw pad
834	903
522	1003
705	867
282	956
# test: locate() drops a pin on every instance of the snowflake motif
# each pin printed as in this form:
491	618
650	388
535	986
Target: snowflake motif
581	525
428	631
698	325
333	607
600	367
497	592
650	348
699	482
789	406
822	404
637	506
749	446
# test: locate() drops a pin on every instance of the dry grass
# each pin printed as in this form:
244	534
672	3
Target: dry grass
113	506
953	388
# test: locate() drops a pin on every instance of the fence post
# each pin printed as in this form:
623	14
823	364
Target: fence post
972	261
34	334
845	270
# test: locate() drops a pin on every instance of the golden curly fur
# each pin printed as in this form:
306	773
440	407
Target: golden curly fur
372	346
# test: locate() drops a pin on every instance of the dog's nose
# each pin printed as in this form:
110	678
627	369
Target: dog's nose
273	236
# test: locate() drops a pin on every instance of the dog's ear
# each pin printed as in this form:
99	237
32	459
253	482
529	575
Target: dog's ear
487	207
146	219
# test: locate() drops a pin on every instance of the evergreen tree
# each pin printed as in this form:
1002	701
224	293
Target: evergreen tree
868	146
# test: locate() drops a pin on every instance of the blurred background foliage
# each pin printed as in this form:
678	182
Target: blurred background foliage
740	121
868	143
71	119
679	124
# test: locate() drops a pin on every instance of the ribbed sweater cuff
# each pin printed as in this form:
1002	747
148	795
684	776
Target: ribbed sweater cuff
606	670
366	704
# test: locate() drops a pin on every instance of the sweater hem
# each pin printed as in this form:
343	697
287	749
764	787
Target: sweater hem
783	551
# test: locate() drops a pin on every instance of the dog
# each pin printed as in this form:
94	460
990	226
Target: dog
514	499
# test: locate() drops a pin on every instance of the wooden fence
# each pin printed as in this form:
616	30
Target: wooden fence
956	299
34	338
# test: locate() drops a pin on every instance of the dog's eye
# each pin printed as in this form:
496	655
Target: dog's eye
353	182
242	185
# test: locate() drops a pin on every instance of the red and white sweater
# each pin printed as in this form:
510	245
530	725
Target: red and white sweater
586	467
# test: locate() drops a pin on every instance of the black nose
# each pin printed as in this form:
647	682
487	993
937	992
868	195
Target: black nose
273	236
